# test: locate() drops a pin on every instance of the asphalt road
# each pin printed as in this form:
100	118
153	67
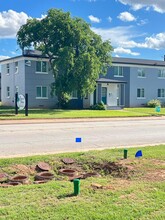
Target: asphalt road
32	138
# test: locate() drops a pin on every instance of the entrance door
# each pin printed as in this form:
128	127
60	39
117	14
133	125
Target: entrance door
104	95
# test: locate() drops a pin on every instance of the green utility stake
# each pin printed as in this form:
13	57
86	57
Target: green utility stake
76	183
125	153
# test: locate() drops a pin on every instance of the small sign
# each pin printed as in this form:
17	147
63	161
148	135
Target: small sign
21	102
78	140
158	109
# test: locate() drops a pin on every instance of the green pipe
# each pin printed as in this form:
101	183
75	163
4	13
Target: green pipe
76	183
125	153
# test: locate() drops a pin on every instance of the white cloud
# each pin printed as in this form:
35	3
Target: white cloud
42	17
94	19
10	22
156	42
156	5
142	22
123	37
109	19
116	35
121	50
126	16
3	57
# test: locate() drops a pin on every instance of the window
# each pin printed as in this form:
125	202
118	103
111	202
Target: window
161	73
141	73
16	89
41	67
8	92
118	71
16	67
7	68
140	93
161	93
41	92
74	94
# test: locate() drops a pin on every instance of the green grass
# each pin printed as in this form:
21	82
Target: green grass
132	198
9	113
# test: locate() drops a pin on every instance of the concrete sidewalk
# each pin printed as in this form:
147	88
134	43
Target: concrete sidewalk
74	120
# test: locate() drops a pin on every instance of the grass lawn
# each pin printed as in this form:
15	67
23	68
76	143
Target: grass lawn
133	188
9	113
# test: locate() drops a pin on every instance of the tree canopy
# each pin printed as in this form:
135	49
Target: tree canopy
76	54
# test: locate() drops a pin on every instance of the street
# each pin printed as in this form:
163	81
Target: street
45	137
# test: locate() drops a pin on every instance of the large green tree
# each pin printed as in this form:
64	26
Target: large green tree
76	54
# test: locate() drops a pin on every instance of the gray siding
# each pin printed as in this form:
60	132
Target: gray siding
33	80
126	78
151	83
12	80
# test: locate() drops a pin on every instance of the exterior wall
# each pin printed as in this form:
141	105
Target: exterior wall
126	77
26	79
32	80
12	80
76	103
151	83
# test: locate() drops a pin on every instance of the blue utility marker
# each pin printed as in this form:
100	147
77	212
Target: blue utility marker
138	154
78	140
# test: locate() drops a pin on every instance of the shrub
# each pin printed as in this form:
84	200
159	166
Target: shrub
153	103
98	106
63	100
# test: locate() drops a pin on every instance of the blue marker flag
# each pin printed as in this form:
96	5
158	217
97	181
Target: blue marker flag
78	139
138	154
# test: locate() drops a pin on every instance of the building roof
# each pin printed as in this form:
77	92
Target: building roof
115	60
133	61
26	53
104	80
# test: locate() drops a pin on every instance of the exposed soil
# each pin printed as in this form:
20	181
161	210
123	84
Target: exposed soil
143	169
155	175
22	169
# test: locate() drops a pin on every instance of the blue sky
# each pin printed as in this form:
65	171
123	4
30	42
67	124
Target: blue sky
135	28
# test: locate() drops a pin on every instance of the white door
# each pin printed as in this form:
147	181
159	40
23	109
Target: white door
112	95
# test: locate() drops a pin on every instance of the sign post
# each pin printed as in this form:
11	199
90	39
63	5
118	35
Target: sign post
16	106
26	104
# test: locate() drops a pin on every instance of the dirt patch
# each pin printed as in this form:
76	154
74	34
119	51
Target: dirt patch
22	169
155	175
115	169
147	169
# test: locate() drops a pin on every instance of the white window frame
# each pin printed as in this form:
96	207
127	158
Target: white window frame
7	69
74	94
8	92
119	68
16	67
142	93
42	92
41	72
162	93
141	73
161	74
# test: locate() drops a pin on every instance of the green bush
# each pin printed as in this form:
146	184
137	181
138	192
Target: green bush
98	106
153	103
